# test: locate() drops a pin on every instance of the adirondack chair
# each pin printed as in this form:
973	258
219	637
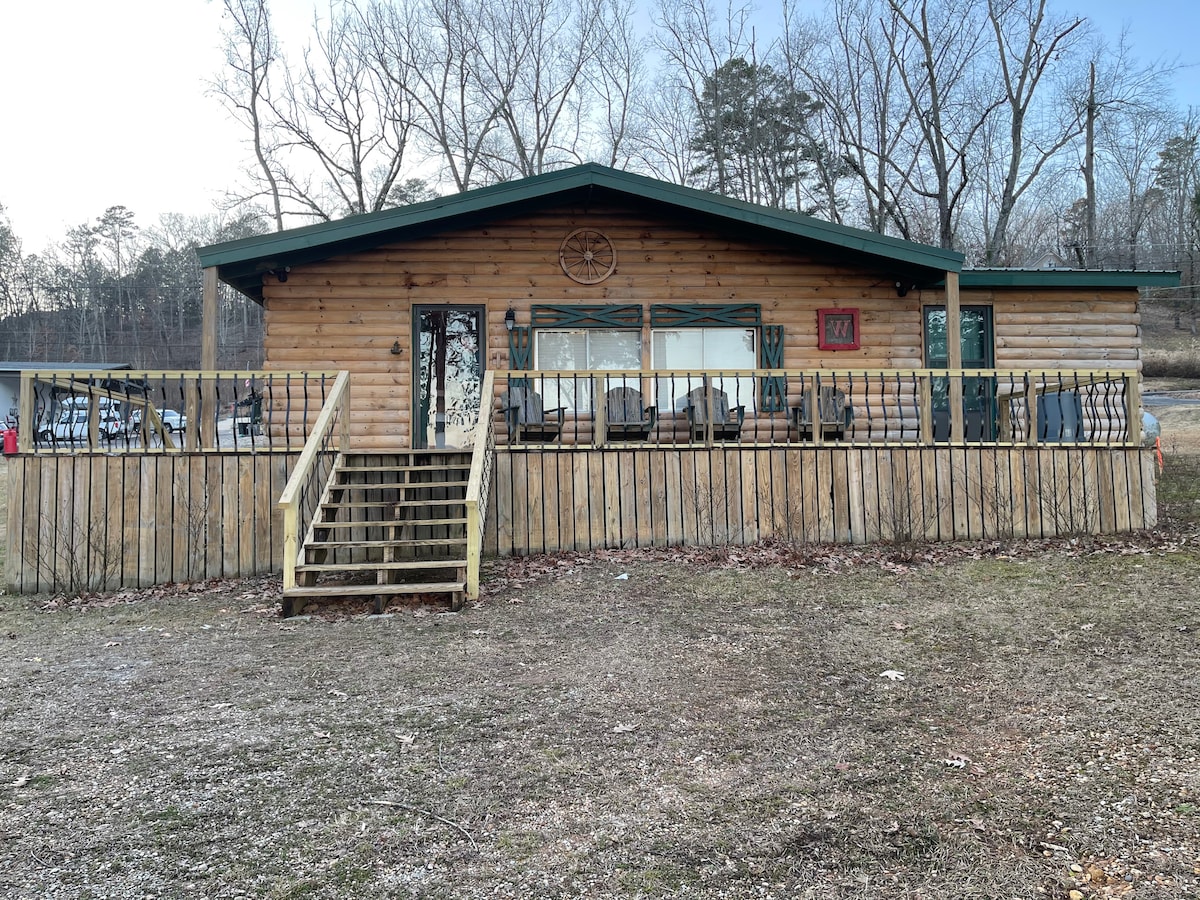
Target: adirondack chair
527	420
627	418
835	413
726	422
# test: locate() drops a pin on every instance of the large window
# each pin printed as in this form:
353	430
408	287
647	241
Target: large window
700	350
582	350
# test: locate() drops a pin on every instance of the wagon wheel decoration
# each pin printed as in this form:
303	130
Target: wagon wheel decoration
587	256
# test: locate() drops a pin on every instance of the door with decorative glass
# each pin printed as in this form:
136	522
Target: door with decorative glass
448	372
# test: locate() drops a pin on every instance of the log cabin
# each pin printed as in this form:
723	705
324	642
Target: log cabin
592	358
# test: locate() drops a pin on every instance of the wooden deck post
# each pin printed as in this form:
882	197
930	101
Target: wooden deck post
1133	409
954	357
208	361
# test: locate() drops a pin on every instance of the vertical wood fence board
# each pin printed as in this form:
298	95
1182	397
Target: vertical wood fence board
673	486
792	497
718	478
1146	487
640	498
503	476
1115	483
245	473
632	508
761	480
689	516
877	471
534	490
858	471
658	497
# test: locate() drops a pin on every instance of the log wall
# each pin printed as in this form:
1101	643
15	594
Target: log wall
348	312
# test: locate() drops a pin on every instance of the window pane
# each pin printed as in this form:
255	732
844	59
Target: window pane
677	349
609	350
694	350
582	350
560	350
729	348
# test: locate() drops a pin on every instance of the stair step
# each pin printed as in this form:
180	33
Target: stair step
367	590
393	523
409	565
406	467
397	485
398	543
388	504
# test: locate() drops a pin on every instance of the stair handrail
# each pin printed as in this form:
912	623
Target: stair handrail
301	494
479	482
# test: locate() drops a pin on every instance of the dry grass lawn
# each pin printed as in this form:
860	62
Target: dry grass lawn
630	725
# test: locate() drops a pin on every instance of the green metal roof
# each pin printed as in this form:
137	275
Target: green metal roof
1066	278
242	263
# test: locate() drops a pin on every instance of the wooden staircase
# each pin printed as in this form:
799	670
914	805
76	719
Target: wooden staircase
388	525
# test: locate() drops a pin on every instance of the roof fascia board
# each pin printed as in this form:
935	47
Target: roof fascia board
978	279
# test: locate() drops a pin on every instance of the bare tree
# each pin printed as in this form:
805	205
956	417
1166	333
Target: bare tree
344	118
950	101
695	41
430	49
245	87
1029	48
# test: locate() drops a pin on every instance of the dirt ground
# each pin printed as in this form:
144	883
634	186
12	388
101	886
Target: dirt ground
967	722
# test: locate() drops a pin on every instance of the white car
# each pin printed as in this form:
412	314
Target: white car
172	420
72	426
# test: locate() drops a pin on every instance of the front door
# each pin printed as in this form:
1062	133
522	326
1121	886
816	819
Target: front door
978	352
448	365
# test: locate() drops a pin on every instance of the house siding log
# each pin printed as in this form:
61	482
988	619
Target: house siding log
347	312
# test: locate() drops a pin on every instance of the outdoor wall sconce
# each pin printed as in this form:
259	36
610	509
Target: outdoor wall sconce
901	290
282	274
396	348
510	319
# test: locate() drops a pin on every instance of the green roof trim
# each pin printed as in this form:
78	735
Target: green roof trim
242	263
1066	278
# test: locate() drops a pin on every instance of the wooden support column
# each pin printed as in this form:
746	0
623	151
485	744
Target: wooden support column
954	357
1133	408
208	362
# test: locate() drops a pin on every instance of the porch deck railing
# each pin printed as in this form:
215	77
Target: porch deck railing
148	412
301	497
910	407
483	457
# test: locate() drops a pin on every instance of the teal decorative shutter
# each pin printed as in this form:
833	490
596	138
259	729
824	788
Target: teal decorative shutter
520	348
774	387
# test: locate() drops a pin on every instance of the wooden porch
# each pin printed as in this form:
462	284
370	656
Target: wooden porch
295	496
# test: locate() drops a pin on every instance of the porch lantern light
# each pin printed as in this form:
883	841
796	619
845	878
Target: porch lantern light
510	319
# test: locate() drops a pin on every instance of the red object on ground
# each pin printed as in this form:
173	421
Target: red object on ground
10	442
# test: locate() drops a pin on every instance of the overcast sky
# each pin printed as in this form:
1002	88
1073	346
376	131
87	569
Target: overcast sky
106	103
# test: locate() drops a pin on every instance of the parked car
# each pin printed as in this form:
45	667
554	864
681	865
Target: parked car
72	426
172	420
